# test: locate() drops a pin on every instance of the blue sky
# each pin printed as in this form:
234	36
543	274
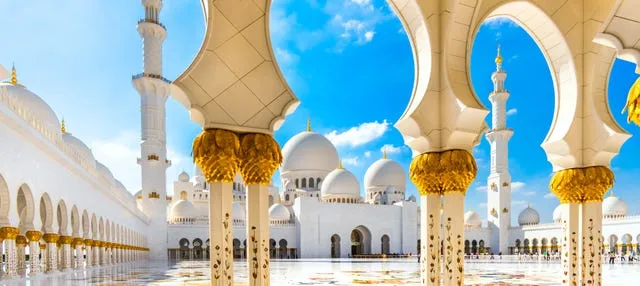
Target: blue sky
349	62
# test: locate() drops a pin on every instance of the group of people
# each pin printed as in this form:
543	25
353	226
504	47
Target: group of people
625	257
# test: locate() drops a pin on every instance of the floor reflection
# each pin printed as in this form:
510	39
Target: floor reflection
325	272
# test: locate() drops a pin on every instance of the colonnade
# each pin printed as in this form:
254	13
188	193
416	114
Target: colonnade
51	252
220	154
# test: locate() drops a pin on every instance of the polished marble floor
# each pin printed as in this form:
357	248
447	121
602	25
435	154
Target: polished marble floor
327	272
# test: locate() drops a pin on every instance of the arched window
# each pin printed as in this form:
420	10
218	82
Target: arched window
297	186
311	183
304	182
286	197
183	195
318	182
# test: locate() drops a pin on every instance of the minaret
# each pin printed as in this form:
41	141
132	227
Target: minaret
154	90
499	181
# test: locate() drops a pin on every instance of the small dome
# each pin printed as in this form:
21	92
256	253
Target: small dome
183	177
104	172
614	206
528	216
384	172
183	209
79	146
289	186
557	214
340	182
309	151
472	219
238	212
280	213
29	101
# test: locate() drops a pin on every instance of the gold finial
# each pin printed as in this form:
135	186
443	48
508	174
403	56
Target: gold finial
528	206
63	128
340	165
309	124
384	153
498	57
14	75
611	194
470	209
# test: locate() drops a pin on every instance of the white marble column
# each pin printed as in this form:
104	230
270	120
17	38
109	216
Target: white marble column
591	266
65	251
453	238
43	259
52	251
34	251
570	243
221	233
257	234
430	239
9	234
88	250
103	253
21	243
95	257
79	259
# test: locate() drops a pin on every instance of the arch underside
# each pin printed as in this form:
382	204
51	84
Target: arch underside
583	132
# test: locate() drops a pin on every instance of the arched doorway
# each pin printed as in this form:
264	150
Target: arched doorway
184	248
237	253
474	247
335	246
384	247
272	248
283	249
360	241
197	249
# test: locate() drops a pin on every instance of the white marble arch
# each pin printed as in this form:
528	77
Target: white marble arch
25	208
583	132
86	225
62	218
46	214
4	203
75	221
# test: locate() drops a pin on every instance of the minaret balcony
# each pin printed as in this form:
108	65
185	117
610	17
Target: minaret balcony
150	75
152	21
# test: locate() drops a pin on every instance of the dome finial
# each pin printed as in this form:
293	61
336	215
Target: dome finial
63	127
309	124
340	165
384	153
528	206
498	57
611	194
14	75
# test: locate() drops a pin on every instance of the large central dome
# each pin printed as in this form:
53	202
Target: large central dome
309	151
29	101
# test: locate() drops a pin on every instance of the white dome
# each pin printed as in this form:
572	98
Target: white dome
309	151
472	218
278	212
104	172
340	182
80	147
614	206
238	212
183	177
384	172
557	214
29	101
183	209
528	216
289	186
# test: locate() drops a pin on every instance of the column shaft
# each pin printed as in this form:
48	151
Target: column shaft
570	243
258	234
591	266
453	240
430	239
221	233
10	248
21	242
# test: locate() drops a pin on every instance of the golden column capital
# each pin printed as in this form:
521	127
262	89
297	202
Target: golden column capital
33	235
65	239
78	241
43	246
443	172
578	185
88	242
215	151
260	157
21	240
9	232
51	237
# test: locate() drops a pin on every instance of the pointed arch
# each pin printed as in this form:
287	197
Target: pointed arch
101	229
25	208
46	213
4	203
62	218
75	221
86	224
94	227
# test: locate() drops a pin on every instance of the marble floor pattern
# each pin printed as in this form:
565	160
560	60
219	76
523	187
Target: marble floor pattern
325	272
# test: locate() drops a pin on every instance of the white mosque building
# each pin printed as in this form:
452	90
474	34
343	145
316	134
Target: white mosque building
321	213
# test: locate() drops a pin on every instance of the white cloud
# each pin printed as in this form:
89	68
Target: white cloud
519	203
549	196
481	188
120	155
512	111
286	57
367	154
368	36
358	135
497	21
516	186
529	193
352	161
482	205
391	149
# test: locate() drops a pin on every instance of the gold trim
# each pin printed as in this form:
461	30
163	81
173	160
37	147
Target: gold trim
33	235
633	103
51	237
65	239
9	232
215	151
21	240
578	185
443	172
260	157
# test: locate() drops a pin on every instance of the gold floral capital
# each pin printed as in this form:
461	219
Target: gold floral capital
43	246
65	239
8	232
51	237
88	242
443	172
578	185
21	240
78	241
215	151
33	235
260	157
